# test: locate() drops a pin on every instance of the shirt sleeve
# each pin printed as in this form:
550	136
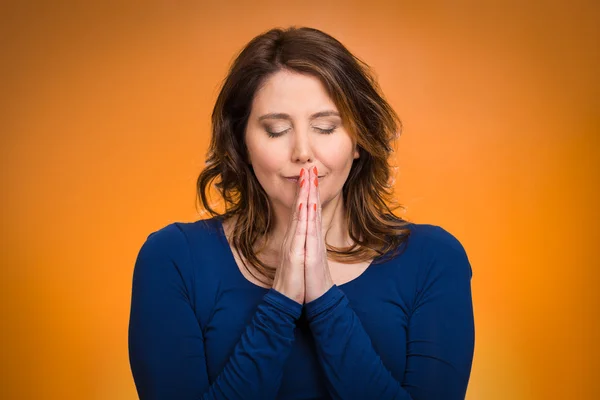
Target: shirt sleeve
440	337
166	345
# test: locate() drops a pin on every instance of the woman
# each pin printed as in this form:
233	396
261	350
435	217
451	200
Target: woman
307	286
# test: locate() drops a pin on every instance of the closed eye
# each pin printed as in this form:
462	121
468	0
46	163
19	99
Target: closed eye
326	131
320	130
277	134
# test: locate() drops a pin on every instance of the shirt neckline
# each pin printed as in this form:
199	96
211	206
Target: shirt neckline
221	230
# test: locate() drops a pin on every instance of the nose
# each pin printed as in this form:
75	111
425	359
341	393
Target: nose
302	151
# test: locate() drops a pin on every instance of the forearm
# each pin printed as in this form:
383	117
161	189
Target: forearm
256	364
352	367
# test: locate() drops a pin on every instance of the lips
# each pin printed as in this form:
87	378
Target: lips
295	178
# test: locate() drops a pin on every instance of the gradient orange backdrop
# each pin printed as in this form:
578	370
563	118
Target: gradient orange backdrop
105	122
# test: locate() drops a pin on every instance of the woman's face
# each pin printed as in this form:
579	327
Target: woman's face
294	124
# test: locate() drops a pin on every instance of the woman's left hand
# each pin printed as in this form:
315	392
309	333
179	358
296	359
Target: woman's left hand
316	270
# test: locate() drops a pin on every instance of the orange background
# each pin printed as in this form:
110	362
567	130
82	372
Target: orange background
105	122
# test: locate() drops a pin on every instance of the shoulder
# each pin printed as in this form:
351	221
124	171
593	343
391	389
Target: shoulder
178	233
176	241
434	238
439	252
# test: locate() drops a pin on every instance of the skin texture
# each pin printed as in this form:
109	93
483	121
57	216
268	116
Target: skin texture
321	146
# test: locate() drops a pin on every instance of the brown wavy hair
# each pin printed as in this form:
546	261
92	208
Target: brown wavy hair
372	225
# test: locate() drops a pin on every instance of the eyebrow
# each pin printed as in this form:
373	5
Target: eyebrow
327	113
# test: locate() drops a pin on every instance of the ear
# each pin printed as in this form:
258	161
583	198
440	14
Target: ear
356	153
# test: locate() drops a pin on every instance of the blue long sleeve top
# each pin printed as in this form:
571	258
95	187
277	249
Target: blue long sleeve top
198	329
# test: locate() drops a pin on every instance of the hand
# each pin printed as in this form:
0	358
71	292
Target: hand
289	277
316	269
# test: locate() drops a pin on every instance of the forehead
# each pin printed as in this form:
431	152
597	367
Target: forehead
292	92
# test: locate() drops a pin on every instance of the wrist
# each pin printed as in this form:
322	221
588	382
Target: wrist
324	304
293	295
283	303
315	292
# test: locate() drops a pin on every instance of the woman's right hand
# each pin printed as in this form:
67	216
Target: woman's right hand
289	277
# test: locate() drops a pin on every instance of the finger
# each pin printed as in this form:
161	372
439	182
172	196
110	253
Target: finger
294	215
312	233
299	212
318	218
297	197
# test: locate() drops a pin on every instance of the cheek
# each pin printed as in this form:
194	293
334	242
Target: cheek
337	155
265	158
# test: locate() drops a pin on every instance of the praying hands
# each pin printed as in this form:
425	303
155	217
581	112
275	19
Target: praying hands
303	273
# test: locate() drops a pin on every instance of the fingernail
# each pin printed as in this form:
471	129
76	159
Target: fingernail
316	181
315	170
302	173
302	183
315	206
300	207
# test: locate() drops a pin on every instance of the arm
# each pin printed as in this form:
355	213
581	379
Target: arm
440	338
166	345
